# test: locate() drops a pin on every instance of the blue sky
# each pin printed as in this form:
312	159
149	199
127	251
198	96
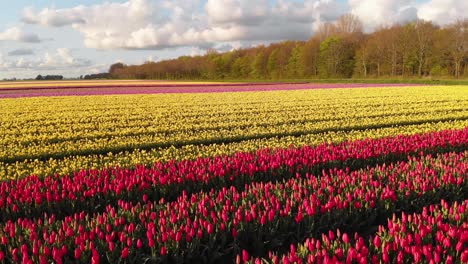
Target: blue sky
72	37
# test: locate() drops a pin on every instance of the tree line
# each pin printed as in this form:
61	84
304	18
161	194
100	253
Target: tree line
48	77
337	50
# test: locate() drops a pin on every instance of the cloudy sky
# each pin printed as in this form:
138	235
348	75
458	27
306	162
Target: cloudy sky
74	37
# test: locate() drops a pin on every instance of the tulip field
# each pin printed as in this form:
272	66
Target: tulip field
159	172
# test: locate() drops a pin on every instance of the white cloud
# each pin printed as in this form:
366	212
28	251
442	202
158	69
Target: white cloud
52	17
443	11
65	55
21	52
374	13
62	59
241	12
17	34
145	24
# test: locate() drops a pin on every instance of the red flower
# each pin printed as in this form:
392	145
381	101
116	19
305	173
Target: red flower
377	242
357	204
464	256
163	251
234	232
299	217
178	236
210	228
151	242
447	242
77	253
449	260
125	253
245	255
139	243
345	238
95	259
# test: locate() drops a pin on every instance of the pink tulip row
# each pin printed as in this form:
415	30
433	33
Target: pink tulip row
217	223
32	196
17	92
437	235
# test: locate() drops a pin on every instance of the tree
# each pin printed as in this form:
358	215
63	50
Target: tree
424	42
325	31
259	65
330	57
273	64
336	58
114	68
458	44
362	60
309	58
348	24
378	51
408	49
241	67
295	67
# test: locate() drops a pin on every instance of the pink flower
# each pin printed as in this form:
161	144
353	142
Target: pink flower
139	243
345	238
77	253
95	259
245	255
125	253
163	251
234	232
464	256
377	242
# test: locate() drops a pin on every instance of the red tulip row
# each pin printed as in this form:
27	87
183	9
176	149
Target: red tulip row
218	223
437	235
93	189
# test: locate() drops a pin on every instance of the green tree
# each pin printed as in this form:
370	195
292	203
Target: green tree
273	64
258	67
295	67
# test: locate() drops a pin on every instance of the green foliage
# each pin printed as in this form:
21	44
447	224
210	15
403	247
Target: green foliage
336	58
272	65
258	66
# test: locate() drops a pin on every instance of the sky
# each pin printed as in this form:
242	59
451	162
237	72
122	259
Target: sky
73	38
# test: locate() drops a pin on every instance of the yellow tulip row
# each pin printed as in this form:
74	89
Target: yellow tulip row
71	164
112	125
99	145
33	128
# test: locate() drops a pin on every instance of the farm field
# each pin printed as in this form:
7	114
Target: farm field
158	172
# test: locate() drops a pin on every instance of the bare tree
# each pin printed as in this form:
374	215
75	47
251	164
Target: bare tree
458	44
362	58
424	38
348	24
325	31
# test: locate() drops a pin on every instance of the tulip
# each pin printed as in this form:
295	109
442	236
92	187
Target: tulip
245	255
95	259
124	253
463	257
163	251
139	244
77	253
346	238
234	232
377	242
